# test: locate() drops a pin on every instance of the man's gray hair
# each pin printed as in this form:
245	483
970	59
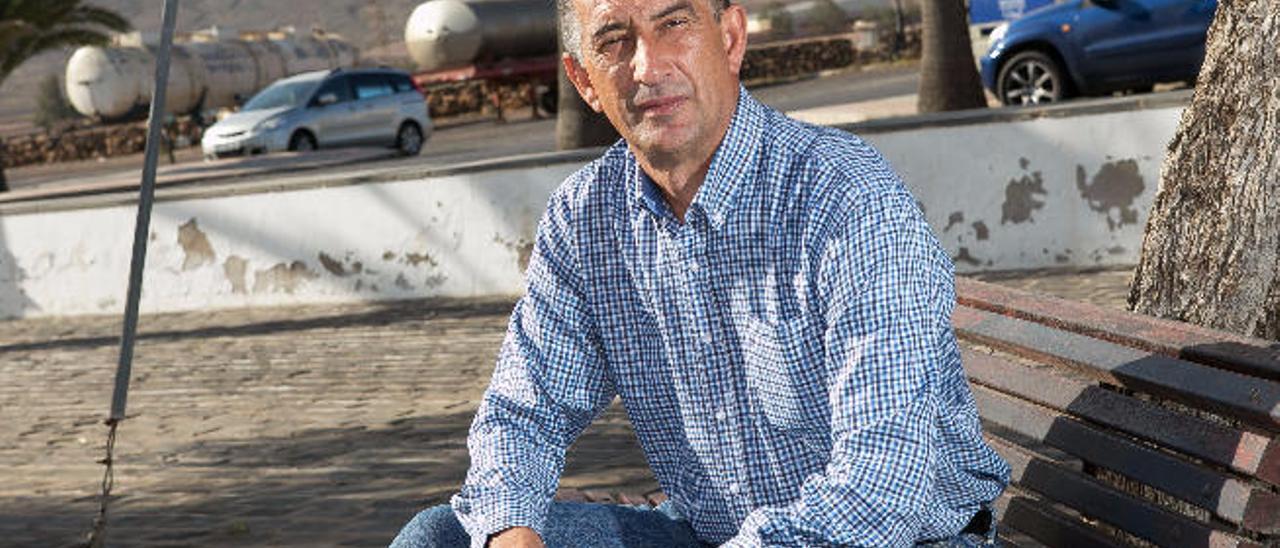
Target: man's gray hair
571	36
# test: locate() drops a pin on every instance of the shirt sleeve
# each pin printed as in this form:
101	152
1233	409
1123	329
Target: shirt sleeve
889	293
547	387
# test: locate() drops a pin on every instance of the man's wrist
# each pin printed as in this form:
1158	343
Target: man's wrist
518	536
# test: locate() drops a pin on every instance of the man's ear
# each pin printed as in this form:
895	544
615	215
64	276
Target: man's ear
733	29
581	80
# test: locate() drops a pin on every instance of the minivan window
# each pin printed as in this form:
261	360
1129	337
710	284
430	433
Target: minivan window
369	86
401	82
280	95
337	86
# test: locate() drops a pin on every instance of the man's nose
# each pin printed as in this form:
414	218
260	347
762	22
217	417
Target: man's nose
647	63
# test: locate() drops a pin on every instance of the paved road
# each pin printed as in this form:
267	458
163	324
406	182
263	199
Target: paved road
488	138
291	426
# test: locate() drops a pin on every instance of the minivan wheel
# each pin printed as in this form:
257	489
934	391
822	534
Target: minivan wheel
1031	78
409	140
302	142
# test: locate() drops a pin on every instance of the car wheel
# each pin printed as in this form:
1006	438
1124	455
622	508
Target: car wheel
1031	78
409	140
302	142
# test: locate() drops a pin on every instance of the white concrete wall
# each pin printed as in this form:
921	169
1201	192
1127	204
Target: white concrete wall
1059	191
1047	192
463	235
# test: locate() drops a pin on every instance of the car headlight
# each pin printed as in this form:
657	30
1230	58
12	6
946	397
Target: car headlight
998	33
269	124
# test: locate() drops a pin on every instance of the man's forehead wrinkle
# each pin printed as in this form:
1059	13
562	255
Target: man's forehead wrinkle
607	28
606	16
675	7
610	15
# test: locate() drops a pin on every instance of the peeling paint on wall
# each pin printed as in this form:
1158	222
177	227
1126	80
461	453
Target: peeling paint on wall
332	265
196	249
1020	199
1115	187
981	230
283	277
523	249
403	283
234	268
964	256
341	268
955	219
435	281
415	259
523	252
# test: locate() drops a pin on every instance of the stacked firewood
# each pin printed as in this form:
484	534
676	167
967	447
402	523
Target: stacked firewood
478	96
795	58
84	142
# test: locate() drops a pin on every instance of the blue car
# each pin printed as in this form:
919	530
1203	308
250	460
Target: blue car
1094	47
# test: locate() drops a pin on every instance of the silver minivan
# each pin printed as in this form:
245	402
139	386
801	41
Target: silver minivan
325	109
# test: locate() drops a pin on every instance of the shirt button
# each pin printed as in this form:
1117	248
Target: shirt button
694	266
733	488
721	415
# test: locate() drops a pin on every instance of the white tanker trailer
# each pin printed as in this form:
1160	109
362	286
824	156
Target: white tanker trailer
208	71
447	34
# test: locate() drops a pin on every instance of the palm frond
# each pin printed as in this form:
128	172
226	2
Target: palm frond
92	15
30	46
29	27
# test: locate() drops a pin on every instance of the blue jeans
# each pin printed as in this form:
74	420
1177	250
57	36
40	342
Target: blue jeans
587	525
569	524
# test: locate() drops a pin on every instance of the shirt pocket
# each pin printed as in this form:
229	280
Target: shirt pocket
785	373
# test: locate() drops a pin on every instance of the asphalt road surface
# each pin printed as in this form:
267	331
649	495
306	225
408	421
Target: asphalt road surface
489	138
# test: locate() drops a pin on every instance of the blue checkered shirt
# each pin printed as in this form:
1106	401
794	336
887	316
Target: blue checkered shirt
785	354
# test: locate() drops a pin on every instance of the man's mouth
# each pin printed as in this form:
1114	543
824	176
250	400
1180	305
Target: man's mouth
660	106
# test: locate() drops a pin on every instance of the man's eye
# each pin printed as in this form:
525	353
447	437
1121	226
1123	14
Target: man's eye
677	22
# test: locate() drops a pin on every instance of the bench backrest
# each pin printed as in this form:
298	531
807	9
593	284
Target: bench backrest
1123	429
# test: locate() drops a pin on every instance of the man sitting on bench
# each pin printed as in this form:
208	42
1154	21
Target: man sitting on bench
765	297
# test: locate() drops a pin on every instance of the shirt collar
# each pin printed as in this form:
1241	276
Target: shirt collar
730	165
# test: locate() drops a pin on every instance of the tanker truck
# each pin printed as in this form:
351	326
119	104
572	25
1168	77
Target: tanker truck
453	34
499	43
209	70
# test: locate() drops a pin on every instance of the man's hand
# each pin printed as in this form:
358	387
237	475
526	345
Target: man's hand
516	537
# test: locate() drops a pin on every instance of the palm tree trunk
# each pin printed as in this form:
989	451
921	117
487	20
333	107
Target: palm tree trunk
4	182
948	73
899	29
1211	252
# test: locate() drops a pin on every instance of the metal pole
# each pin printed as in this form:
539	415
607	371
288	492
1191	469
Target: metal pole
143	227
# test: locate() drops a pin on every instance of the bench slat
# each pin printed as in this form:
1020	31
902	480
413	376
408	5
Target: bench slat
1046	523
1127	512
1250	399
1255	357
1017	539
1229	498
1245	452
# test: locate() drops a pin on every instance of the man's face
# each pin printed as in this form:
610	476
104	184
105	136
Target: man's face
665	72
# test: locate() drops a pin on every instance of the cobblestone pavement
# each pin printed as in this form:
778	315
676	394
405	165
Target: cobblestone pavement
307	426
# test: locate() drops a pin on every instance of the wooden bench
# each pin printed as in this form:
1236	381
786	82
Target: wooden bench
1121	430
